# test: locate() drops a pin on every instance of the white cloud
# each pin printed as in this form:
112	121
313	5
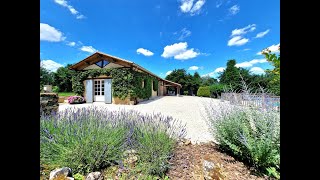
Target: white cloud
179	51
169	72
237	41
250	63
89	49
144	52
244	30
234	10
73	11
273	48
193	68
257	70
49	33
219	3
215	73
187	6
261	34
247	49
80	16
220	69
188	54
197	6
50	65
71	44
184	33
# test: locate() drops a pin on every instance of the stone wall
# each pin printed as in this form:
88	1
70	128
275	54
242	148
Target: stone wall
49	103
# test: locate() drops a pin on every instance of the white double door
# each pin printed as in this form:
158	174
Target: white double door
99	90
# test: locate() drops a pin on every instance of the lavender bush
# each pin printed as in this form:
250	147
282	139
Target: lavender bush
93	138
250	133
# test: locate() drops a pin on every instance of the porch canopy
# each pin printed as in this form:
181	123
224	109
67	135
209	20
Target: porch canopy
177	86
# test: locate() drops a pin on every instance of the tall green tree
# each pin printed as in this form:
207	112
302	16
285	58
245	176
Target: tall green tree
190	83
208	81
63	78
196	82
231	76
46	77
273	74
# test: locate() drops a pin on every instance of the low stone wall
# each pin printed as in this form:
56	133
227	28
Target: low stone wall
49	103
126	101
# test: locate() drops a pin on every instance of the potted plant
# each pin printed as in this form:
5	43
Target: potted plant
76	100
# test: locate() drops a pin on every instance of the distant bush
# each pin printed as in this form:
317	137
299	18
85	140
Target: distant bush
216	90
203	91
90	139
55	89
185	92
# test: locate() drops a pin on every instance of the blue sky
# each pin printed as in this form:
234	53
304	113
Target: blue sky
161	35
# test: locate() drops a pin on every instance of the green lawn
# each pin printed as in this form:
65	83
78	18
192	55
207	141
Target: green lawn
66	94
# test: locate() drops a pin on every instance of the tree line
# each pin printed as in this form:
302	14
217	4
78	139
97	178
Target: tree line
231	79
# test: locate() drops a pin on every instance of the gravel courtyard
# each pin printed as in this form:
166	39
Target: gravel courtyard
187	109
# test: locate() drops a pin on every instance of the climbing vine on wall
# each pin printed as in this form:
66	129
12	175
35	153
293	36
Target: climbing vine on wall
125	82
155	84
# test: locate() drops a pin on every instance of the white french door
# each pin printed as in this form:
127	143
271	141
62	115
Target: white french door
99	90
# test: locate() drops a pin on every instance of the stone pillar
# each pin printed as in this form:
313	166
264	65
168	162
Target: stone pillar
178	90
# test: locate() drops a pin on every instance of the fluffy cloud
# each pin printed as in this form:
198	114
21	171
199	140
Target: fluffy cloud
257	70
237	41
144	52
187	6
71	44
193	68
169	72
49	33
241	31
50	65
251	63
273	48
89	49
179	51
197	6
261	34
215	73
234	10
236	34
73	11
184	33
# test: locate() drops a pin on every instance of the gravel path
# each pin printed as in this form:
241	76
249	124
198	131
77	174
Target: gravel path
187	109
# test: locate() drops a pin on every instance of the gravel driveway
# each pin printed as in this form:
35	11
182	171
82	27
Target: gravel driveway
188	109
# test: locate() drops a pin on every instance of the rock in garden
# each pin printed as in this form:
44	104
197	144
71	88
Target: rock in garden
187	142
212	171
61	172
94	176
208	168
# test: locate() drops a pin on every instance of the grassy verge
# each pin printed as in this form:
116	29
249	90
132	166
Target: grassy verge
66	94
92	139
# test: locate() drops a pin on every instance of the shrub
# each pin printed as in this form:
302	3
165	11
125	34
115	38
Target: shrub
203	91
249	133
90	139
216	90
55	89
75	100
185	92
78	177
